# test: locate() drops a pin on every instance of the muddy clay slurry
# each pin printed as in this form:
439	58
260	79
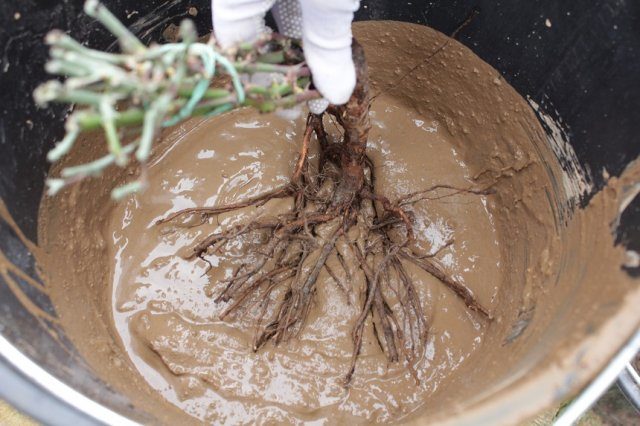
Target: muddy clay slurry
152	321
165	303
181	337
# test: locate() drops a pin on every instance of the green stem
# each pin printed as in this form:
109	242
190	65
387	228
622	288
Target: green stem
92	121
135	116
272	57
59	93
96	166
63	146
66	68
59	39
211	93
111	132
152	119
128	41
251	68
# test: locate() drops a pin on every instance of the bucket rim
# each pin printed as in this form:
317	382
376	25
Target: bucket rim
66	403
31	383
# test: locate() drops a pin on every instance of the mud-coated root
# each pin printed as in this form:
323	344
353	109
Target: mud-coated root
334	204
279	278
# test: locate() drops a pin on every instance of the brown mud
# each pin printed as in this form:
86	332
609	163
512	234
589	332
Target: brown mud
144	315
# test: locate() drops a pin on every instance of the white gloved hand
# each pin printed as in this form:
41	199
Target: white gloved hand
323	25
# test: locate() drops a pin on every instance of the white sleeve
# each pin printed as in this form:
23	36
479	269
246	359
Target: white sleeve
323	25
236	21
326	27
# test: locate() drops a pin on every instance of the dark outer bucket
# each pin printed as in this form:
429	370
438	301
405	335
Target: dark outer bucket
583	70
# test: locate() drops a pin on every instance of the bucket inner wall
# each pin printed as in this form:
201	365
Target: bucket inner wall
582	71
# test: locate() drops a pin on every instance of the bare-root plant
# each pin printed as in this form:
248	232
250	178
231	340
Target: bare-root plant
336	213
